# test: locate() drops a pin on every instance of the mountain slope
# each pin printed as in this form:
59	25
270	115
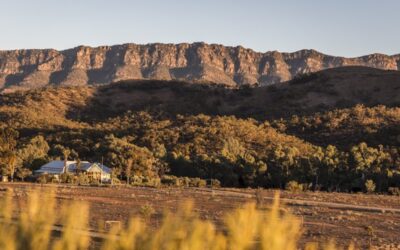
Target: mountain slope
197	62
264	136
317	92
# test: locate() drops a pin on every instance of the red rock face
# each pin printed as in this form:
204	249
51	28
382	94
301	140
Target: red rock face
196	62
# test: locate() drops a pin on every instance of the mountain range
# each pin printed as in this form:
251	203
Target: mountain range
197	62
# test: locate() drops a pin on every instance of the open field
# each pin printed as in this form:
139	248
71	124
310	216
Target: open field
345	217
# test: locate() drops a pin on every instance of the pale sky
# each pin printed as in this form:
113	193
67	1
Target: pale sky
337	27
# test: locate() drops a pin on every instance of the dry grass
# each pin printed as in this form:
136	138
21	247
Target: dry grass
244	228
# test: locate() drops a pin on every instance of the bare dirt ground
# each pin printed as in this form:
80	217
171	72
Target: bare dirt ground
343	217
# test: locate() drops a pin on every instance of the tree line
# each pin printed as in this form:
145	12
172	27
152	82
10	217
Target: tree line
236	152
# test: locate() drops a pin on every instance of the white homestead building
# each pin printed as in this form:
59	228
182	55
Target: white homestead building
94	171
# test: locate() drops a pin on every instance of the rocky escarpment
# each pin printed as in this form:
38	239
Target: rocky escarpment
198	62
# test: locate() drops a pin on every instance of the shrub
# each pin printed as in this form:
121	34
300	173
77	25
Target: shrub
197	182
170	180
94	183
370	186
53	179
184	181
294	186
67	178
302	78
82	179
115	181
147	211
215	183
42	179
154	182
145	181
23	173
136	181
394	191
173	181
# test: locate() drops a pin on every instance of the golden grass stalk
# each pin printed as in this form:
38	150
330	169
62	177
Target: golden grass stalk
33	228
74	219
246	228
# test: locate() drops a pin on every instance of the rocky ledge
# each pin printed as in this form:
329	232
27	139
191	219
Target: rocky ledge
197	62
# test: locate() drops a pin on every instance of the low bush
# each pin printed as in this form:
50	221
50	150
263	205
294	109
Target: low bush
170	180
42	179
152	182
302	78
215	183
184	181
115	181
147	211
67	178
174	181
94	183
197	182
82	179
142	181
46	178
370	186
394	191
294	186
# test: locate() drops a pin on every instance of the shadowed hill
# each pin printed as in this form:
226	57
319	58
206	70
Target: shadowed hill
336	88
307	94
325	90
310	93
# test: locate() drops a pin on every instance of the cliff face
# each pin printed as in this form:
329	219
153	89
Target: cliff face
196	62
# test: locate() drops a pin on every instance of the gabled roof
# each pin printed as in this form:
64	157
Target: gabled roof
57	167
104	168
87	165
54	167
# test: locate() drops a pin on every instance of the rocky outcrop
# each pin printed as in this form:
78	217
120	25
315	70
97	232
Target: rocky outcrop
197	62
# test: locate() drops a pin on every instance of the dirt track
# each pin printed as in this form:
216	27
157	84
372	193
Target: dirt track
306	202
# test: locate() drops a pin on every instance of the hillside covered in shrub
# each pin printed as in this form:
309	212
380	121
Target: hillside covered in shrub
319	130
